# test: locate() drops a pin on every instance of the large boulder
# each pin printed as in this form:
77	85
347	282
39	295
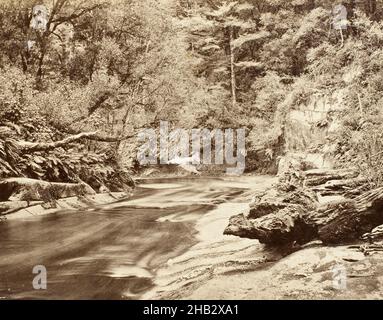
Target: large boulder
23	189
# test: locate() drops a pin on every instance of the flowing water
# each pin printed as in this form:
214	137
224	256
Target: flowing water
167	237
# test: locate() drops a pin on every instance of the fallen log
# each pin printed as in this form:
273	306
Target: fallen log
318	177
23	189
345	184
14	206
334	223
353	193
277	218
351	219
343	173
351	187
26	146
285	226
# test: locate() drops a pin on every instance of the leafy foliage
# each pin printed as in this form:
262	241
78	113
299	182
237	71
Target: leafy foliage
118	66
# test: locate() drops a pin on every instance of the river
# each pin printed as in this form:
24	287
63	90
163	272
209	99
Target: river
164	240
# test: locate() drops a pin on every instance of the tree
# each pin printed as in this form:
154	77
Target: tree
226	29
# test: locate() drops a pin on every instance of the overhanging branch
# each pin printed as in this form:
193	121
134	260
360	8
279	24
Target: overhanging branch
30	147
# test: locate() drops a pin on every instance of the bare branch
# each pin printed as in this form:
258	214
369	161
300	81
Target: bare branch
62	19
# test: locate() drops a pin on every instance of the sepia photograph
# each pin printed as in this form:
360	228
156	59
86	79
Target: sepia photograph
191	150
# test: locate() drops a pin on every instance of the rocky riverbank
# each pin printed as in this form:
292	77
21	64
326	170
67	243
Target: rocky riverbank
331	273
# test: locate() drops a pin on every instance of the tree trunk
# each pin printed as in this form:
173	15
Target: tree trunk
370	7
349	220
293	219
232	70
